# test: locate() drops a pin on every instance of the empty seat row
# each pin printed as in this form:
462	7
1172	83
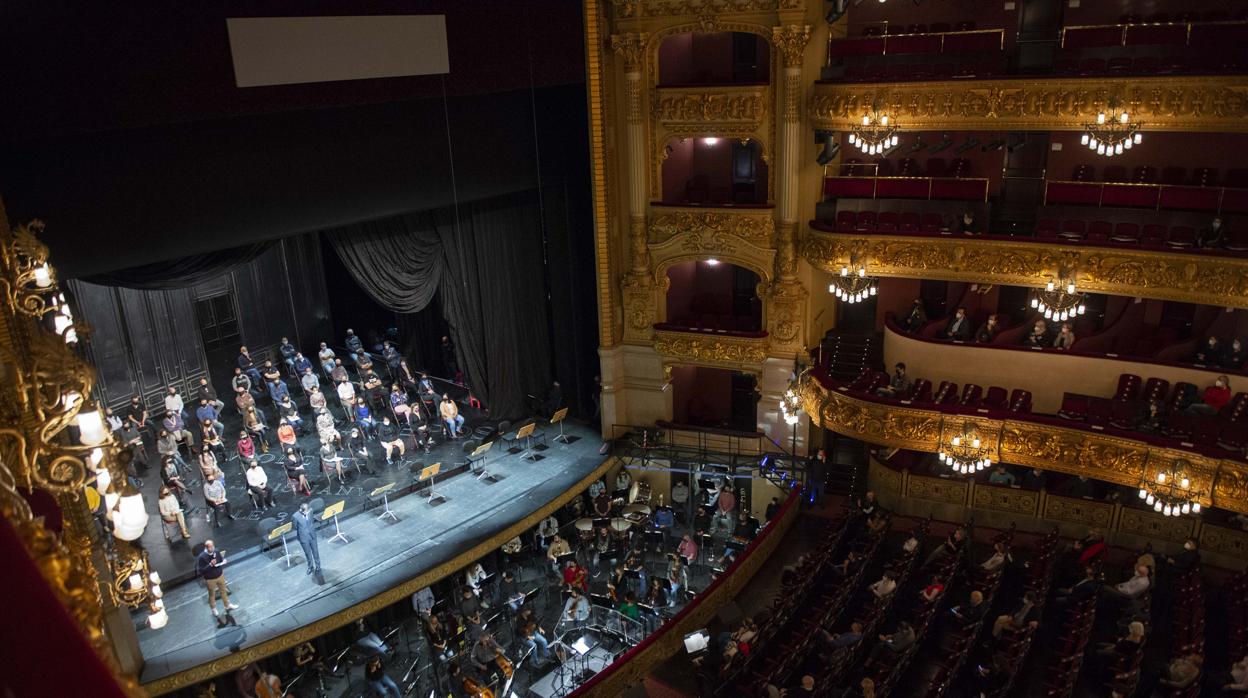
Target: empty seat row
887	221
1145	65
908	167
1147	174
923	71
933	28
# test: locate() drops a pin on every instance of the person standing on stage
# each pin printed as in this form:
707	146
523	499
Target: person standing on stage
305	531
623	481
208	565
450	414
448	358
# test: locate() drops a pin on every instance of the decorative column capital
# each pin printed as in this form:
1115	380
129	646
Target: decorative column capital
791	41
632	48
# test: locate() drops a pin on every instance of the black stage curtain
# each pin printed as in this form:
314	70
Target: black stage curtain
184	272
485	262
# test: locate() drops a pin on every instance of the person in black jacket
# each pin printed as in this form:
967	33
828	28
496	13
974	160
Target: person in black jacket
987	331
388	435
1209	353
1234	356
305	531
958	328
1187	559
916	318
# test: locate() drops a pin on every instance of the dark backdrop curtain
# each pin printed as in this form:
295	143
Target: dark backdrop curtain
485	263
184	272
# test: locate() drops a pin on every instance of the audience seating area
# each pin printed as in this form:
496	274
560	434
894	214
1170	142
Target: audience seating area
906	187
1158	43
935	52
1208	197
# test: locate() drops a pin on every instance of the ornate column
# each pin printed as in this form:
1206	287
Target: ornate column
788	297
638	284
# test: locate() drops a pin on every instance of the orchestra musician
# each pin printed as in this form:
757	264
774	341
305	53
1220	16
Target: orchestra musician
602	505
487	656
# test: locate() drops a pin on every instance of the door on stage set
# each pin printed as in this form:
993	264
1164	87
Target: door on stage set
217	318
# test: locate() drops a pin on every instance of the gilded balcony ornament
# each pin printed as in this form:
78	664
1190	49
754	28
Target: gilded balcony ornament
711	110
632	48
630	9
1167	103
691	347
755	226
790	40
1205	279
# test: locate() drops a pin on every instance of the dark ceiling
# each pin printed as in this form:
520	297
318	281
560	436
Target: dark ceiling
124	131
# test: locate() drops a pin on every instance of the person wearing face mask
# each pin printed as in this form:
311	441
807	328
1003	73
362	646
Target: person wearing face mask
916	318
1065	338
1209	353
967	225
1213	399
1187	559
1234	356
1213	236
987	331
1036	338
959	328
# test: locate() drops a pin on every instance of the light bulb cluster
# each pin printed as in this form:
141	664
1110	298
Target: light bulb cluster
853	285
791	405
1112	134
1170	494
874	135
1059	300
965	454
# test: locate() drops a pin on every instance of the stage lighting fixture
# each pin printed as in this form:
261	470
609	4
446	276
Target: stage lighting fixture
994	145
970	143
830	146
916	147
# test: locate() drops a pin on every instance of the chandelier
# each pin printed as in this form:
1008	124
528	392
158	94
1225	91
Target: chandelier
1112	133
1170	492
1059	299
875	135
853	285
965	454
791	404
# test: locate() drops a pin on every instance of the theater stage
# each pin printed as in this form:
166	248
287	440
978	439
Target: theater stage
276	599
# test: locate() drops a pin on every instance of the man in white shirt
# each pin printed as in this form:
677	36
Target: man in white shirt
174	404
885	586
1133	587
258	485
576	608
346	396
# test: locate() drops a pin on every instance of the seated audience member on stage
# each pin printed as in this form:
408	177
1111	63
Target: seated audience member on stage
288	412
897	384
319	405
916	318
174	425
392	357
245	447
451	416
286	435
256	427
327	358
258	485
363	362
208	461
172	478
171	511
167	445
987	331
174	403
364	418
346	398
214	494
1209	353
1065	338
388	434
967	225
958	328
295	472
309	380
248	366
357	447
209	411
399	404
1038	337
288	352
244	401
352	342
1213	399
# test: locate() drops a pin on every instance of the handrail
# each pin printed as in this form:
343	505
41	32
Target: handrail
1126	28
876	179
1100	187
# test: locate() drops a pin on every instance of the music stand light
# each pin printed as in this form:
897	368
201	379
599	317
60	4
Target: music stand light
331	512
280	532
557	418
429	473
384	491
526	433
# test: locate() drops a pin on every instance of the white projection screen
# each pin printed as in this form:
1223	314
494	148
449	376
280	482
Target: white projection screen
292	50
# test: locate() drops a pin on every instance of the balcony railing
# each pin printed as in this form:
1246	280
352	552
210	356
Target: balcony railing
928	188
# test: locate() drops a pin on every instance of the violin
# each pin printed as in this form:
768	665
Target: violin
475	690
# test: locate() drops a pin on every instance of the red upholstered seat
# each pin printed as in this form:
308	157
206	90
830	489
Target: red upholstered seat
931	223
935	167
1152	234
908	222
887	222
1020	401
1074	407
1173	175
1074	229
1114	173
1124	414
972	395
1128	387
1046	228
946	394
1099	411
1205	431
1155	389
846	220
1083	173
1233	436
866	220
1178	425
996	398
922	390
1126	233
1181	236
1205	177
1099	231
1236	239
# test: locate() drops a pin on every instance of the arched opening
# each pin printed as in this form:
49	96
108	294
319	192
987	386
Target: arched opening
713	296
714	58
714	397
714	171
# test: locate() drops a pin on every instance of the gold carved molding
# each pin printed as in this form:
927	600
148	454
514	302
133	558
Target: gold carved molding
712	110
1191	103
1191	278
635	9
1060	449
935	489
756	226
315	629
719	242
711	350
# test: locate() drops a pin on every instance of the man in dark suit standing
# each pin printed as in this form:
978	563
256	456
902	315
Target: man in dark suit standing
305	531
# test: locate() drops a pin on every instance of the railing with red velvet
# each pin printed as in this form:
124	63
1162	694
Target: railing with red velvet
926	188
1222	200
968	41
1206	35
